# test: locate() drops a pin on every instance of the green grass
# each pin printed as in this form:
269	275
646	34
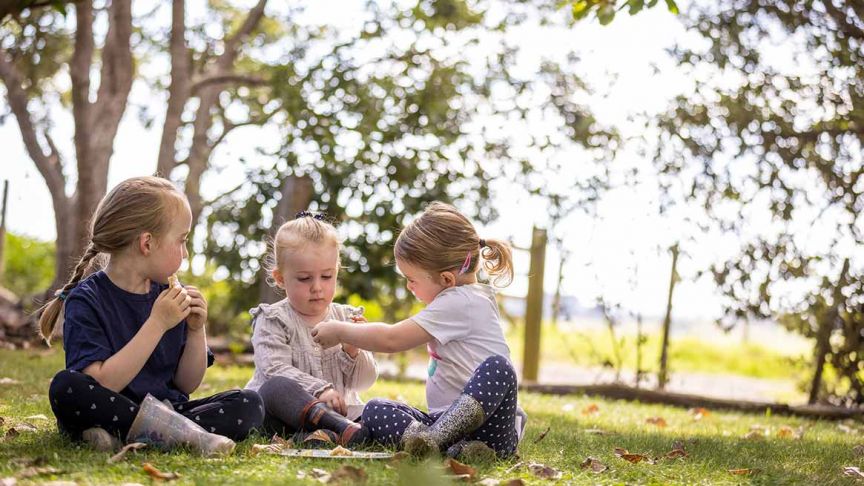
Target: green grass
715	444
690	353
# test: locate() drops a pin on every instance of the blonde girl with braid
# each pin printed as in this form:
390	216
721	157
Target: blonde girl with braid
471	389
135	343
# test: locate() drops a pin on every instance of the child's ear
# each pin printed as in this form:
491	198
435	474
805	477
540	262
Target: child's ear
277	276
145	243
448	279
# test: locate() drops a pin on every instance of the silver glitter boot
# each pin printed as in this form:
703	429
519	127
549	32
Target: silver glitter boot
464	416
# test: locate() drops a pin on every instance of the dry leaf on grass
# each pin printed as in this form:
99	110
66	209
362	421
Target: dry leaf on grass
593	464
489	482
788	432
349	474
8	381
698	413
858	450
158	475
2	421
675	454
38	471
543	471
320	475
596	432
757	432
744	472
847	429
591	409
542	435
658	421
318	435
36	417
11	434
265	448
853	472
122	454
461	471
631	457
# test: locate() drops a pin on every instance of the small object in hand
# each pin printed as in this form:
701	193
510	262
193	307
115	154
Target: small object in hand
173	281
356	313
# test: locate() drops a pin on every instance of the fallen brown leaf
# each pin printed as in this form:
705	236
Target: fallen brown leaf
318	435
277	440
858	450
744	472
542	435
264	448
658	421
2	421
591	409
463	471
853	472
38	471
11	433
158	475
630	457
320	475
349	474
122	454
698	413
675	454
8	381
593	464
543	471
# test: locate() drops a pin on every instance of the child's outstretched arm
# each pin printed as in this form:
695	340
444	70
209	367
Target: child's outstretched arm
377	337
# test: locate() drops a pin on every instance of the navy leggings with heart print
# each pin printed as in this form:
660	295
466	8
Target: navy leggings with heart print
79	402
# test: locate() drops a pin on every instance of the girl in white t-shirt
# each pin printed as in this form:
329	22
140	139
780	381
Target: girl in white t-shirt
471	390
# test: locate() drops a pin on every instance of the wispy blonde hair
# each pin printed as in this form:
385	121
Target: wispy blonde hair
442	239
294	235
137	205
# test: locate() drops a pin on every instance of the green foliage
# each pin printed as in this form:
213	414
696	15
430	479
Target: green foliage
382	122
28	265
769	143
605	10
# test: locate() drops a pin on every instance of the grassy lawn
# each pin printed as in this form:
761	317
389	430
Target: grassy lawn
715	443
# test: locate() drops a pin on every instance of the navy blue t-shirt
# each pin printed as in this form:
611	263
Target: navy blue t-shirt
100	318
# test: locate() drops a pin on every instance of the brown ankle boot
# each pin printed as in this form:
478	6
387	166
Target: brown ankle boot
317	415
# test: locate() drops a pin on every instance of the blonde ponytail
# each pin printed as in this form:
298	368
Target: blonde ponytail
498	261
51	310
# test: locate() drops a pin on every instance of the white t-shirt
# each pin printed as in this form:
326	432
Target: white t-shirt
465	323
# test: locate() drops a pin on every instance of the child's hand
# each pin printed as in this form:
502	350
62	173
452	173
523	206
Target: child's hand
197	309
326	333
348	348
172	306
334	400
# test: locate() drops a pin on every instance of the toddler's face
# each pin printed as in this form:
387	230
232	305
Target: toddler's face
308	276
423	285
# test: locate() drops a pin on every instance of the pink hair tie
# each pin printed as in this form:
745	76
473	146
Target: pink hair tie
465	265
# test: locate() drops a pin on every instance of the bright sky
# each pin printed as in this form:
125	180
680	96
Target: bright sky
621	254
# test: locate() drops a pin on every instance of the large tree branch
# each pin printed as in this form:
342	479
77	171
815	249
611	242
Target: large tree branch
232	45
204	82
178	91
49	165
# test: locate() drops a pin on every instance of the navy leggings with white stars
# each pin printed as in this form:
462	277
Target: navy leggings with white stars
493	384
79	402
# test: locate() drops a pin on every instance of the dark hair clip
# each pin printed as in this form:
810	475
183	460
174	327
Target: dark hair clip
482	243
304	214
62	295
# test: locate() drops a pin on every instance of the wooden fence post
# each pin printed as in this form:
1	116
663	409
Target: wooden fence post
534	307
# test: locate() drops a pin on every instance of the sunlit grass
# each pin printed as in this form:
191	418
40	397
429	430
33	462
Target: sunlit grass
715	444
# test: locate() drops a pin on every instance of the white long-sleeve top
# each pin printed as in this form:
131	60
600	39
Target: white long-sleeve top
283	346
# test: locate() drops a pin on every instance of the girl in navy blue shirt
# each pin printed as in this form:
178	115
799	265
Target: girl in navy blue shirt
128	333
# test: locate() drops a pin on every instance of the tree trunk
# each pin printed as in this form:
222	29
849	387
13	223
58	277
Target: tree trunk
823	335
296	195
663	374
